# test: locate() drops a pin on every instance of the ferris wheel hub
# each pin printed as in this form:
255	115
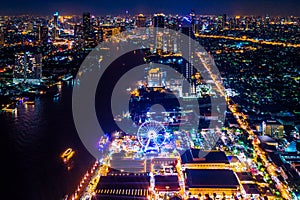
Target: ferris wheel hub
152	134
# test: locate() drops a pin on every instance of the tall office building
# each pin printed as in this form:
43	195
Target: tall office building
247	23
273	128
159	20
224	20
187	29
231	24
43	33
221	23
55	19
193	16
86	24
2	38
98	35
54	34
2	30
141	21
78	31
55	26
193	20
237	21
28	68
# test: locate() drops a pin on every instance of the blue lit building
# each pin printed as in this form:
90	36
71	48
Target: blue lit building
28	68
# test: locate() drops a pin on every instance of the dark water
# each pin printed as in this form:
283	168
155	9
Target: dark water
31	143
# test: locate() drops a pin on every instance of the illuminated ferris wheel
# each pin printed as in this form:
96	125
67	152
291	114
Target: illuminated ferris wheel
151	135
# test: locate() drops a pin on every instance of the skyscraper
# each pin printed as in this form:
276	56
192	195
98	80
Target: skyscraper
141	21
2	38
221	23
159	20
55	19
193	16
98	35
187	29
193	20
77	31
86	24
28	68
55	26
224	20
43	33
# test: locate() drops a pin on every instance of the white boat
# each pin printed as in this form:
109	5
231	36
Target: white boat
31	102
67	155
10	108
67	77
56	95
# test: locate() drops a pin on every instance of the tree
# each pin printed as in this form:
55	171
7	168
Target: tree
199	195
223	194
215	195
207	197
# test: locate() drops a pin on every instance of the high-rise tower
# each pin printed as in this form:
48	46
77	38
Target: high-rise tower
86	24
159	20
28	68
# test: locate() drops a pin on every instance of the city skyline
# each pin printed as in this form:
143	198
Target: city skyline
231	7
150	105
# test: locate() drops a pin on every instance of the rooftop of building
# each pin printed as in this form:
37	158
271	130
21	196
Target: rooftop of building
197	156
244	176
292	147
123	186
272	122
120	197
251	188
166	183
211	178
233	159
128	164
124	181
267	140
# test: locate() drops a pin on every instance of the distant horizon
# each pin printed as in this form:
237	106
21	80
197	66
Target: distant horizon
145	14
119	7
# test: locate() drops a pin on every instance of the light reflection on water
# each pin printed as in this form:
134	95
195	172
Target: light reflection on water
33	138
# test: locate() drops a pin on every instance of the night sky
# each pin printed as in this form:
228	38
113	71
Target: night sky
101	7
